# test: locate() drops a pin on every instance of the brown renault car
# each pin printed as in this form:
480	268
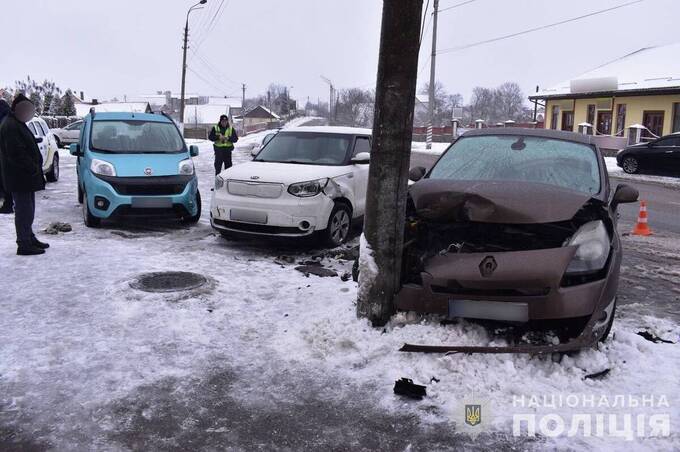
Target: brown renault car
515	226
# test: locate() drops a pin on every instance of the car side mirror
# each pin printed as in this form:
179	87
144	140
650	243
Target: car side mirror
74	150
255	150
625	194
193	150
416	173
38	140
362	158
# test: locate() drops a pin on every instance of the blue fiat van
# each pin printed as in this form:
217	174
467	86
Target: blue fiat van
135	164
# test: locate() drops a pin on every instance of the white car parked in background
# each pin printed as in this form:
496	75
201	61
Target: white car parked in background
48	148
69	134
305	180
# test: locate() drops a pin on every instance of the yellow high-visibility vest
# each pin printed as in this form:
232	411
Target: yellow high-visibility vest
227	134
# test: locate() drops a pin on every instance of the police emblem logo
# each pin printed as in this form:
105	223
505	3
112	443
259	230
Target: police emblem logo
473	415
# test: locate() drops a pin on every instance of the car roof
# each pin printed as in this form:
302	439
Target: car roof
540	133
329	130
126	116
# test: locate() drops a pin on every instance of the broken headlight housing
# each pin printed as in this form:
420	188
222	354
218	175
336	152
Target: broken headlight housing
219	182
593	250
308	189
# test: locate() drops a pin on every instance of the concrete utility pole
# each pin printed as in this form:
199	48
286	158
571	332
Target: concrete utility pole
390	156
331	99
433	77
184	58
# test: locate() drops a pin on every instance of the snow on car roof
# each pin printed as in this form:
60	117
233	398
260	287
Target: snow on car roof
330	129
112	116
649	68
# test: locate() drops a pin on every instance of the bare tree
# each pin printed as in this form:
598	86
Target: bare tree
509	101
355	108
444	104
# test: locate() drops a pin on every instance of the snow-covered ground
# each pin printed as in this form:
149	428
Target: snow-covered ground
88	363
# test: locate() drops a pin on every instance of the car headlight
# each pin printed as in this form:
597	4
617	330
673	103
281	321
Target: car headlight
308	189
102	168
593	244
186	167
219	182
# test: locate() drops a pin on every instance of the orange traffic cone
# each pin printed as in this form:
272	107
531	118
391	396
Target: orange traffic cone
642	228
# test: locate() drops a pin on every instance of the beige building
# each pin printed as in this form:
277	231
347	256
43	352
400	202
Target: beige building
642	88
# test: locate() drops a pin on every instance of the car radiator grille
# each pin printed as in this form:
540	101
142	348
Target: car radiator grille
254	189
148	186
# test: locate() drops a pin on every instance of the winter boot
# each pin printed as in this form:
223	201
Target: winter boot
38	244
29	250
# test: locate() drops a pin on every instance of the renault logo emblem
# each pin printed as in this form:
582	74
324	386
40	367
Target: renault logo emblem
488	266
148	171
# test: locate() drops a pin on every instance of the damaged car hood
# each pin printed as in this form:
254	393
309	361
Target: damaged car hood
494	201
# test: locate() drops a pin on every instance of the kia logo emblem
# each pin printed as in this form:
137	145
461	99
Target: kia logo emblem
148	171
254	177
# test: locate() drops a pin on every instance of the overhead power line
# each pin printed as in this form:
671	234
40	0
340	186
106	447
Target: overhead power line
531	30
458	5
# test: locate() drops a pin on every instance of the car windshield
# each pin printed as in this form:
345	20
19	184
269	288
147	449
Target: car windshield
523	159
136	137
306	148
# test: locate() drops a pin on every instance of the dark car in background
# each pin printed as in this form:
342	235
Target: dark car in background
660	155
516	226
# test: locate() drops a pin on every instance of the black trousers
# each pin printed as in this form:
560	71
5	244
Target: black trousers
24	214
222	159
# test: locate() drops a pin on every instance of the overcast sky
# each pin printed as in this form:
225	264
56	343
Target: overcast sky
133	47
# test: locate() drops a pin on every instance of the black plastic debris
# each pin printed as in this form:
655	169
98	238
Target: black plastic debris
653	338
316	270
345	277
597	375
434	380
407	388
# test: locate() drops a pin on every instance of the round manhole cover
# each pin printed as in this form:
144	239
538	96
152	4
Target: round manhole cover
168	282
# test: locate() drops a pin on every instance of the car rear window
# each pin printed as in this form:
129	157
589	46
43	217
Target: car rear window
560	163
136	137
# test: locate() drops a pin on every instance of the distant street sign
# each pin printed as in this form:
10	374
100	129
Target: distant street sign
457	112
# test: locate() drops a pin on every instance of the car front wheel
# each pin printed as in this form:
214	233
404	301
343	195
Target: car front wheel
339	225
631	165
195	218
90	220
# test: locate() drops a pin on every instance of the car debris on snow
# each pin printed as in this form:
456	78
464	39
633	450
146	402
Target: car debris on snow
57	227
597	375
407	388
317	270
653	338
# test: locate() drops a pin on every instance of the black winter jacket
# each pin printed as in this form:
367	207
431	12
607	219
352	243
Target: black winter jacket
20	159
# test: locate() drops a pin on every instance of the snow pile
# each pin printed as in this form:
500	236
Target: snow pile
437	148
368	269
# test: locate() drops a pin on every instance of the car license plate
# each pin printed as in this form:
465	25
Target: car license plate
489	310
151	203
248	216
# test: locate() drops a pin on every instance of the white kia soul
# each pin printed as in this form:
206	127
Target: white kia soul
305	180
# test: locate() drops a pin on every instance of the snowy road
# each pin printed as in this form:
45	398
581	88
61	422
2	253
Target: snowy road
265	358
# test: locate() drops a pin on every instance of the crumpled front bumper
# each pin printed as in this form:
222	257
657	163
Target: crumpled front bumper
527	278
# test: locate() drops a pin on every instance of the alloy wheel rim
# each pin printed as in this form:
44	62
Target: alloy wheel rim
340	226
630	165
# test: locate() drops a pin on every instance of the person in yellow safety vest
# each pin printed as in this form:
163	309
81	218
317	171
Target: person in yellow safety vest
223	137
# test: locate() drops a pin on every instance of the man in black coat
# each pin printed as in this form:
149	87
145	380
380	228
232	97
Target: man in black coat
5	198
22	174
223	137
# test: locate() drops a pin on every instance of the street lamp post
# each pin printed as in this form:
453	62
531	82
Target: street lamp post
184	58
